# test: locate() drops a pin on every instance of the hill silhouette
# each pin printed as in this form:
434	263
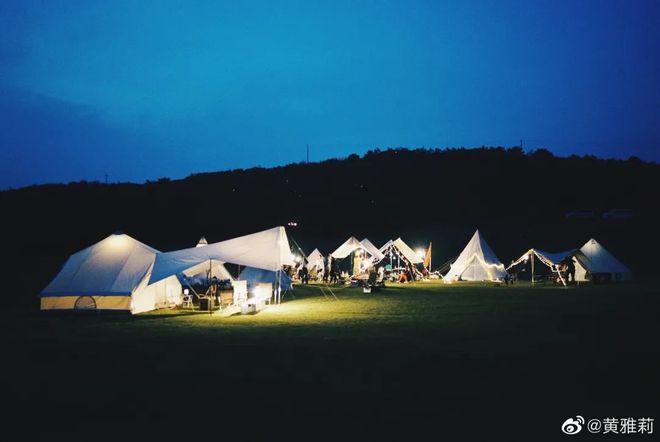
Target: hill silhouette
517	199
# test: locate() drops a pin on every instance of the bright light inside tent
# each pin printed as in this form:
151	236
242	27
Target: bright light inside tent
421	253
118	241
261	292
296	258
186	292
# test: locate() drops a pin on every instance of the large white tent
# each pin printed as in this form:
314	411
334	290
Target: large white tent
477	262
598	261
267	250
399	246
112	274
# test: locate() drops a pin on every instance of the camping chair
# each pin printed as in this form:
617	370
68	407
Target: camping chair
187	299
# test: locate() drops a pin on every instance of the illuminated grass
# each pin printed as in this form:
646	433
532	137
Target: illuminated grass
544	349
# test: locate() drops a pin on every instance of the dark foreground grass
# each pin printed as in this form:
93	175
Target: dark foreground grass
465	361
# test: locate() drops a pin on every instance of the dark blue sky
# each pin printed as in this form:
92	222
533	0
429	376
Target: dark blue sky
168	88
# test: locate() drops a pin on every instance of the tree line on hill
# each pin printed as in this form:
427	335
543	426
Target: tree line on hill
426	194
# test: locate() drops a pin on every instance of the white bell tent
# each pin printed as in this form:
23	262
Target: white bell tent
112	274
202	242
398	248
477	262
315	261
598	261
266	250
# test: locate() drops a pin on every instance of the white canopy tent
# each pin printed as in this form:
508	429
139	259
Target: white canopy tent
398	245
591	260
361	261
348	247
598	261
553	261
266	250
112	274
371	249
206	271
477	262
315	261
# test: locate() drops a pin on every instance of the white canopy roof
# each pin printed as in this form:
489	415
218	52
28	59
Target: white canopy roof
376	255
598	260
402	248
349	246
268	250
477	262
352	244
315	260
548	258
114	266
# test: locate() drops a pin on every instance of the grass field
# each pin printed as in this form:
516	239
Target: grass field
458	362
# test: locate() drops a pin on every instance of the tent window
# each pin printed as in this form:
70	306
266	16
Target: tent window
85	303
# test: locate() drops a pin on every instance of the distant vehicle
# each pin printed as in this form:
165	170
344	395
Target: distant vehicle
618	214
580	214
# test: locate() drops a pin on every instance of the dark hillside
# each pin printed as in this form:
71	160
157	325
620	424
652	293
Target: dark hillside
518	200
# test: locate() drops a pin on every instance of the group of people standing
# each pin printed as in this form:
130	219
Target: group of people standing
330	272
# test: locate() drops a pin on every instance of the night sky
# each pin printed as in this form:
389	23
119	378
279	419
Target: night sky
145	90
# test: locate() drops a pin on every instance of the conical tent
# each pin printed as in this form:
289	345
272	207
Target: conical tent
398	245
477	262
112	274
202	242
598	261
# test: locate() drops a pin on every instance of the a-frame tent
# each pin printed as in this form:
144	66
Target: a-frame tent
113	274
371	249
369	254
477	262
349	246
315	261
398	246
